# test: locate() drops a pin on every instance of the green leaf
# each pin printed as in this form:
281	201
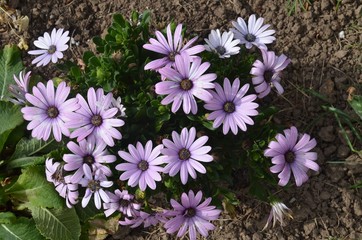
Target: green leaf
356	104
10	64
7	217
25	162
57	224
29	147
10	117
33	187
21	229
89	212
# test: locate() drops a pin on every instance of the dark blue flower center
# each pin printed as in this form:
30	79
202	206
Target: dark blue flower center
52	112
186	84
171	56
250	37
94	185
229	107
89	159
143	165
96	120
58	175
268	76
220	50
52	49
184	154
189	212
289	157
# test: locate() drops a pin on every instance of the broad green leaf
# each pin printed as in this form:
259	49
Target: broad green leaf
10	64
10	117
29	147
89	212
57	224
7	217
33	187
21	229
25	161
356	104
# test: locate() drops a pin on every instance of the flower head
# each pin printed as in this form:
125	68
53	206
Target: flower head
291	153
171	47
55	173
253	33
184	154
94	182
95	118
142	165
231	107
123	202
117	103
50	110
148	219
224	45
192	215
185	82
90	152
277	213
51	47
266	74
20	89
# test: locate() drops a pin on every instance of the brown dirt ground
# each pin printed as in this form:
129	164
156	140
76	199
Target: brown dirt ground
324	208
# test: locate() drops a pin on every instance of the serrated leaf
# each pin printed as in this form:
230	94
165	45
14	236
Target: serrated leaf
356	104
29	147
10	117
89	212
21	229
10	64
57	224
25	161
33	187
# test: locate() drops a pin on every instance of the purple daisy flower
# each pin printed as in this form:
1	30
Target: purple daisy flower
94	182
55	174
231	107
20	89
88	152
50	111
291	153
171	47
95	118
123	202
51	47
253	33
185	82
266	74
184	154
192	215
142	165
148	219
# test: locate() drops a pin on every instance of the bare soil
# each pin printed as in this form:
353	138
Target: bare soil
324	208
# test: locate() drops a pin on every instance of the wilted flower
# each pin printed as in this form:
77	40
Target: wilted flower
291	153
185	82
192	216
50	111
94	182
253	33
224	45
55	174
148	219
171	47
95	118
117	103
231	107
277	213
19	90
142	165
123	202
267	73
184	154
90	152
51	47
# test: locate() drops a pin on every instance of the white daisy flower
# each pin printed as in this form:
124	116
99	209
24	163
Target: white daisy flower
224	45
51	47
277	213
253	33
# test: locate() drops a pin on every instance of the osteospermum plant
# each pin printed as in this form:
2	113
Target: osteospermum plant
153	131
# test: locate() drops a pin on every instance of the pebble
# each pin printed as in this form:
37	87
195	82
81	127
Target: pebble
328	151
357	207
325	195
343	151
341	53
325	4
308	228
327	134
